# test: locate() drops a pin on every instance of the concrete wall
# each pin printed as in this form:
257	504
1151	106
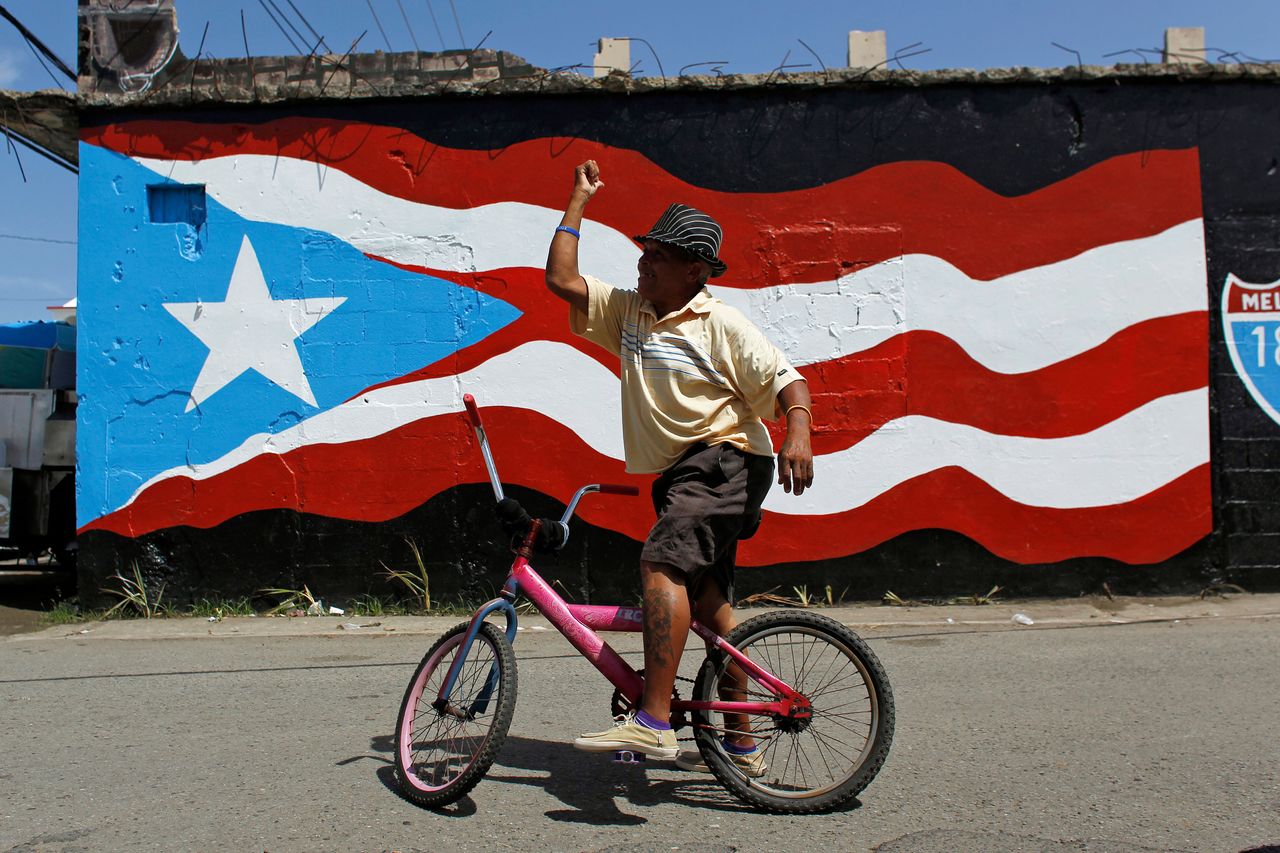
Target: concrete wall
1006	296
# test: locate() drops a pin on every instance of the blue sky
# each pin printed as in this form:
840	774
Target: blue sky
746	35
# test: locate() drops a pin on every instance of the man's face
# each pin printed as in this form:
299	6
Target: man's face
665	275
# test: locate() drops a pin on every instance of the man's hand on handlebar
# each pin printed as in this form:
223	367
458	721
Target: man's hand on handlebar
515	521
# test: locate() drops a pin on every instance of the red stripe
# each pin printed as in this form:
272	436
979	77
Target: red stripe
1149	529
925	373
400	470
809	235
397	471
914	373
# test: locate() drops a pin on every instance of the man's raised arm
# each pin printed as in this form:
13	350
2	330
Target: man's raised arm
563	278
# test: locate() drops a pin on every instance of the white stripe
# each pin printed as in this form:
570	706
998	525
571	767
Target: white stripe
303	194
1116	463
585	399
1013	324
1123	460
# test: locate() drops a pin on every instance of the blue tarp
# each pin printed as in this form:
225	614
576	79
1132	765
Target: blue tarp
40	334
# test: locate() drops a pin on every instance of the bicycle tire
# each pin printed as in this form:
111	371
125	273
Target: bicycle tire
438	757
808	770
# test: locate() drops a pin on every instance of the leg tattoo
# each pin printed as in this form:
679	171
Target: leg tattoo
657	628
666	627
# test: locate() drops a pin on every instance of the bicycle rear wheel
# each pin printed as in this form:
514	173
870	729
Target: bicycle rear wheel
814	765
442	751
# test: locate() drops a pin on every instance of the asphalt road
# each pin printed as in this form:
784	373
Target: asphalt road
1100	737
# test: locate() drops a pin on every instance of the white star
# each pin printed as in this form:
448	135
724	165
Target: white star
251	331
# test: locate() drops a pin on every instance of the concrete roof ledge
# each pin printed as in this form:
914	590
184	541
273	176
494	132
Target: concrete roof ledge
47	117
281	79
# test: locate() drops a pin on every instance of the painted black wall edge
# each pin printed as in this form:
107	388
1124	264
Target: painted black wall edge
1013	139
467	558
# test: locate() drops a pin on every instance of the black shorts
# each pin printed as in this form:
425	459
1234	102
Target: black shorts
705	502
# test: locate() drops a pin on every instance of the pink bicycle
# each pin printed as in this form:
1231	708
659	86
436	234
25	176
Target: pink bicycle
808	690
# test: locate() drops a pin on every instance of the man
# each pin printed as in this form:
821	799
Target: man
697	377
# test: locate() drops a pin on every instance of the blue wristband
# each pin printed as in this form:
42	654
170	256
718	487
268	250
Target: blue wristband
566	229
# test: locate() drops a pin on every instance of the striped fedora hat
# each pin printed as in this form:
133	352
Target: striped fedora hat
691	230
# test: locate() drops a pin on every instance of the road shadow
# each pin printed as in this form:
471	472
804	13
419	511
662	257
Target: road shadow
27	593
463	807
386	773
592	787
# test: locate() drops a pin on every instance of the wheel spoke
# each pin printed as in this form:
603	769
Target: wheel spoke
818	747
828	738
440	754
822	756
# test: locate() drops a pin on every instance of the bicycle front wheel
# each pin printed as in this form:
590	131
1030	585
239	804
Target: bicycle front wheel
444	749
812	765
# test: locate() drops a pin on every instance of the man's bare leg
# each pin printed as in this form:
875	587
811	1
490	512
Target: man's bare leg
714	610
666	627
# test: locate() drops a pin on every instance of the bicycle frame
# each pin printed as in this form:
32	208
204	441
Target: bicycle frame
578	623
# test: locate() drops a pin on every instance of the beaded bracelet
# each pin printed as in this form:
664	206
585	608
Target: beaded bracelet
566	229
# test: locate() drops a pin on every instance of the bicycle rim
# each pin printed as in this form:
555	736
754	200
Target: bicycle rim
442	752
827	760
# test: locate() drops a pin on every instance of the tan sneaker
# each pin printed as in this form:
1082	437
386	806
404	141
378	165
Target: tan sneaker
752	764
627	734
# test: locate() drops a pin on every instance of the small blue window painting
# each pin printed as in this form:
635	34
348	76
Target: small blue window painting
176	203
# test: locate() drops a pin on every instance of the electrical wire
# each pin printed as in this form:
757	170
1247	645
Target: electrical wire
439	34
35	43
37	239
307	23
369	3
409	27
45	65
8	138
285	18
461	38
280	27
13	136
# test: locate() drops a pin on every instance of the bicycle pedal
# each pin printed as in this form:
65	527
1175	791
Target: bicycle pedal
627	756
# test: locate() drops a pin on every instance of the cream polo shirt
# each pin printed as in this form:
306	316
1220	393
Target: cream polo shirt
702	373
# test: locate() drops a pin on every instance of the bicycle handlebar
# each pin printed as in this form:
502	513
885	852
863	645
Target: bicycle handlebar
473	415
473	411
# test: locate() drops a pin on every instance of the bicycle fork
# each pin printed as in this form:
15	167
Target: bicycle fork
481	702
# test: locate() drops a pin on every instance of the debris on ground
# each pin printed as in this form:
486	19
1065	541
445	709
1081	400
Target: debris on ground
1221	589
768	597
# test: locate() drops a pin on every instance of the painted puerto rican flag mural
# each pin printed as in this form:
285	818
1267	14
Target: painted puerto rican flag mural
1028	371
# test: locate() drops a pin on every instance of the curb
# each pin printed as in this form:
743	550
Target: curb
871	619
